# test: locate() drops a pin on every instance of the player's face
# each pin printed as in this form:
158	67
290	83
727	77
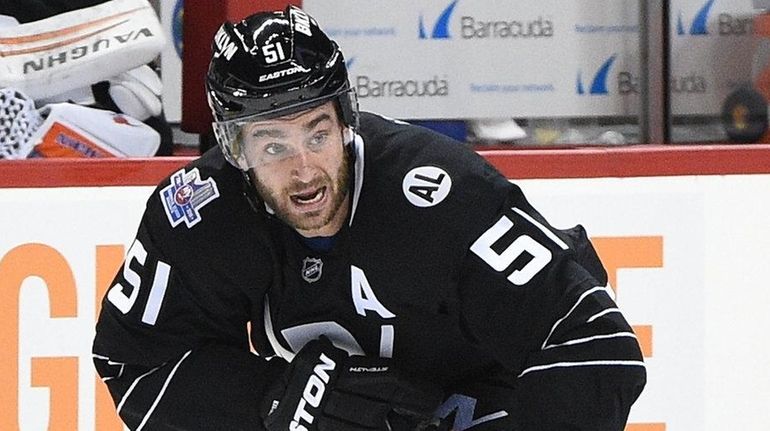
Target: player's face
301	169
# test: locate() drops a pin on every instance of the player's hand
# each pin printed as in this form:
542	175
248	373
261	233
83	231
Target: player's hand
324	389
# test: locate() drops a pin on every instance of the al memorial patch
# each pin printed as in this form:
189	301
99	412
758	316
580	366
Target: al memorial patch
186	195
426	186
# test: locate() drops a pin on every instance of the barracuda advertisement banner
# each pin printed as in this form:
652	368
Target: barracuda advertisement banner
712	50
472	58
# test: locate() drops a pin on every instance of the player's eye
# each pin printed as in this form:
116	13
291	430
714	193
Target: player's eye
275	149
318	140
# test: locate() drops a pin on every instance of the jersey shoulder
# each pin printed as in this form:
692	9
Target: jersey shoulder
203	208
400	147
198	192
425	169
423	190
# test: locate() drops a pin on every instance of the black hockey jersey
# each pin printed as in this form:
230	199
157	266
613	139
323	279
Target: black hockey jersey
443	266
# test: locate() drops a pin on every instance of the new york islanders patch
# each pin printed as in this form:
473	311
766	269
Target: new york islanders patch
186	195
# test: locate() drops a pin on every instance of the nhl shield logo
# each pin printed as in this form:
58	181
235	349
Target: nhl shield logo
311	269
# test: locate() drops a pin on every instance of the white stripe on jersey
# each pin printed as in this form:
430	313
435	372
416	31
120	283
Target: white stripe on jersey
580	299
133	385
582	364
109	362
602	313
589	339
274	343
162	391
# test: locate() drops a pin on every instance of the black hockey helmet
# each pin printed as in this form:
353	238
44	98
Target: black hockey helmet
269	65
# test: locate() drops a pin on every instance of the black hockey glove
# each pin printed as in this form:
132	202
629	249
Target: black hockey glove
324	389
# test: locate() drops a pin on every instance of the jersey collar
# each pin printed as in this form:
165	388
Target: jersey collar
358	175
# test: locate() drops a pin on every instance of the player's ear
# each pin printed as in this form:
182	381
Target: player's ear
348	135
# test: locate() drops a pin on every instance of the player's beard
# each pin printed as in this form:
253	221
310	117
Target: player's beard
337	190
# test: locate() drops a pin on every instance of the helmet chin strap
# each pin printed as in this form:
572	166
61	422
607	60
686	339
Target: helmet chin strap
250	193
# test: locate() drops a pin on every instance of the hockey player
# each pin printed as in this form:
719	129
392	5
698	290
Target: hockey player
387	277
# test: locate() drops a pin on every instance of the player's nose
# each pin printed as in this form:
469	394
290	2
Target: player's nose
302	163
